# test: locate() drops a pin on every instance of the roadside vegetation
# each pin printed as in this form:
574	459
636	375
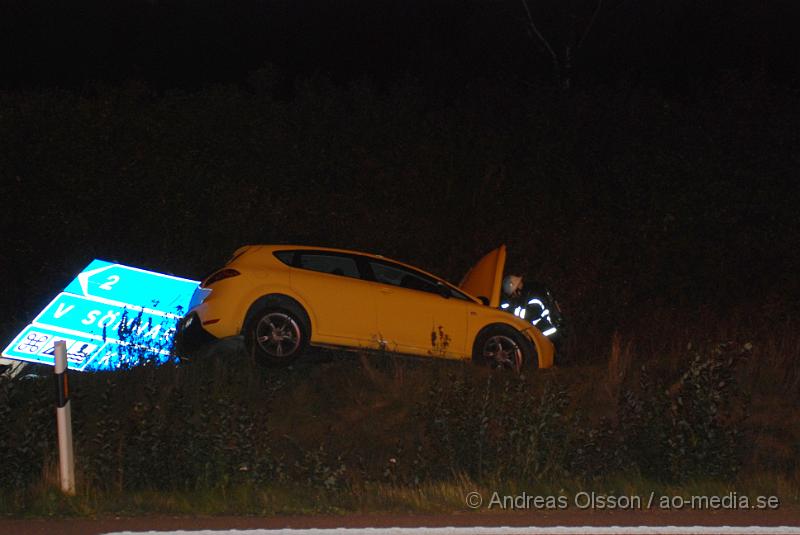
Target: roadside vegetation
364	432
665	223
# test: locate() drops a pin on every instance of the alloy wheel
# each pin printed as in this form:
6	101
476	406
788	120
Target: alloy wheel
503	351
278	334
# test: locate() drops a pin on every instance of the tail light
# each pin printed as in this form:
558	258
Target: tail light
220	275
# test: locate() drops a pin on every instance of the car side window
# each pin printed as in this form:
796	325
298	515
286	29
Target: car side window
459	295
327	263
287	257
404	278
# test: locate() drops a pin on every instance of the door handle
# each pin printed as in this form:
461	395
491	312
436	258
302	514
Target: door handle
386	290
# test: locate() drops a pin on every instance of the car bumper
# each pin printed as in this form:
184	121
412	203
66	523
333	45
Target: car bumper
190	334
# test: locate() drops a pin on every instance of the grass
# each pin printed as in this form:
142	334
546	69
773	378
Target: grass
438	497
347	432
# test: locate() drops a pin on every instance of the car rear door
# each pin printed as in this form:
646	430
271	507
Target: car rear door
342	303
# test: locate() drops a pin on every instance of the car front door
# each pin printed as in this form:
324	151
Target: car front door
417	315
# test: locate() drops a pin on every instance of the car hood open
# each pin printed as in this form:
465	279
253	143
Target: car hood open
485	277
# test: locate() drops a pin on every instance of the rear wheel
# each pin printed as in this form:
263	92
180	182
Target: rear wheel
277	336
503	347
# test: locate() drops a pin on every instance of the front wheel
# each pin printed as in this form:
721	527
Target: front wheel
503	347
276	337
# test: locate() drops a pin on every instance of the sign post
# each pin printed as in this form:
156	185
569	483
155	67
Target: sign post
66	459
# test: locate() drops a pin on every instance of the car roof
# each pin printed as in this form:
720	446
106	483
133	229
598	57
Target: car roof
290	247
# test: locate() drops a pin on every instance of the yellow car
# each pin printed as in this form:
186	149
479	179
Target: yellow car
283	298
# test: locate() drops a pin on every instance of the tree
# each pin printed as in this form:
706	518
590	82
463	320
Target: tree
569	24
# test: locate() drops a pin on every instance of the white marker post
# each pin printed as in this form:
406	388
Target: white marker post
66	459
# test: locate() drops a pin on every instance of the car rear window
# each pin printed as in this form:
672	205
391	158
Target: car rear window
326	263
287	257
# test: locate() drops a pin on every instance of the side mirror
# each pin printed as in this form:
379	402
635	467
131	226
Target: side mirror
484	300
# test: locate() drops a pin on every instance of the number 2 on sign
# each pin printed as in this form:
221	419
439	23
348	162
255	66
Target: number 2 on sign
113	279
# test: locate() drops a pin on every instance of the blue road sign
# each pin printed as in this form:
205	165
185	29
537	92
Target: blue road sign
108	315
125	286
83	316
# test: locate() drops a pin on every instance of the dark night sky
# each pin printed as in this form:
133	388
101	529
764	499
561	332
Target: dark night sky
187	43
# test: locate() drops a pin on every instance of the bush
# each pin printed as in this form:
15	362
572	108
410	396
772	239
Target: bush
209	425
692	428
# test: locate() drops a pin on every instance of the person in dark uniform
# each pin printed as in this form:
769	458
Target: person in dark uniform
512	286
535	303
